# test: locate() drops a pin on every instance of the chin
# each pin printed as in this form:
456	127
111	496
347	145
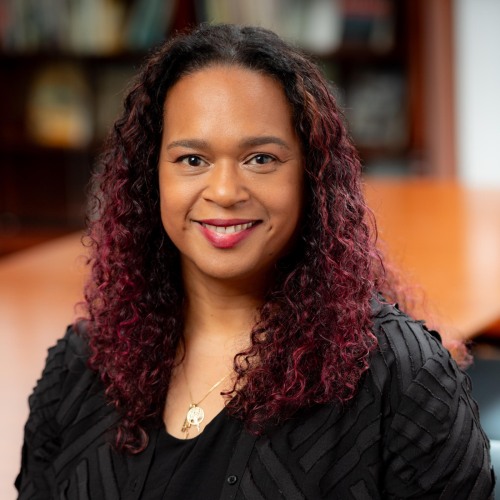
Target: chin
224	270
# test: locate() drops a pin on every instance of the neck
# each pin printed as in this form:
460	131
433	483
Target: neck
219	312
219	316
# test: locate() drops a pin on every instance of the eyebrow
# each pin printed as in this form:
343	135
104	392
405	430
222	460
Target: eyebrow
247	142
262	140
189	143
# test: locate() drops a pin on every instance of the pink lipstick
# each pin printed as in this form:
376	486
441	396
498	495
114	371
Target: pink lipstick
226	233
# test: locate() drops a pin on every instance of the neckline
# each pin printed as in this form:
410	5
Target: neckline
164	431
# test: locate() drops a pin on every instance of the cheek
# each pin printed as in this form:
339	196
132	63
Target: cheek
292	199
170	211
172	198
164	204
286	205
295	207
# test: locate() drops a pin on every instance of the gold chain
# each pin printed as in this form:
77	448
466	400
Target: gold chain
195	414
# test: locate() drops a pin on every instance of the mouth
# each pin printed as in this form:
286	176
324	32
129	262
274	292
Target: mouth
226	233
231	229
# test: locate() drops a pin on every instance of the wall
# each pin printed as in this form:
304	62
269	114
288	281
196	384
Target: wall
477	66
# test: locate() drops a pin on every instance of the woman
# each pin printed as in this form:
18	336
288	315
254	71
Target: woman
236	346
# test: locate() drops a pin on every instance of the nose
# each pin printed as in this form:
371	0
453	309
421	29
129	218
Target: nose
226	185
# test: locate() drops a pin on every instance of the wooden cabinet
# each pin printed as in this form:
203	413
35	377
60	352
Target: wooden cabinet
56	110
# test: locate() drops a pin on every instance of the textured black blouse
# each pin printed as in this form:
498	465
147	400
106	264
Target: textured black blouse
412	431
192	468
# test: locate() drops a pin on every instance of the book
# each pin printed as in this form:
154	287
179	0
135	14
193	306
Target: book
59	108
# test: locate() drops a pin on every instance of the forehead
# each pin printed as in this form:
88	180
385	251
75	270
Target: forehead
220	89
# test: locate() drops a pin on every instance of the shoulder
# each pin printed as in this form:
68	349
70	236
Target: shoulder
67	402
432	437
65	377
410	358
67	359
402	338
64	380
404	347
71	352
411	367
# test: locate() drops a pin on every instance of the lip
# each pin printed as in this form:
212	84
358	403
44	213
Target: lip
226	240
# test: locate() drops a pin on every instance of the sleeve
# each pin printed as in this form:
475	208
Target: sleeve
434	445
42	430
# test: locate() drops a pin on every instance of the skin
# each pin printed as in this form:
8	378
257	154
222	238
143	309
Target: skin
231	184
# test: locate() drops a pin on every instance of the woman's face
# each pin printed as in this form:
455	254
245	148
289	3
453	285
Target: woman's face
230	173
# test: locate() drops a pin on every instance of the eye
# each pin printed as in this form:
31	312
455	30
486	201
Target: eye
261	159
262	163
192	160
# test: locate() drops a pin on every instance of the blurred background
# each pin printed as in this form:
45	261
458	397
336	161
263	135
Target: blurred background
419	82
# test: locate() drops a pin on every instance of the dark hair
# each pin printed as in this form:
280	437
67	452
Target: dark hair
314	337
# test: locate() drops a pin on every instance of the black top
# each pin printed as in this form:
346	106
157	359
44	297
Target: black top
411	431
192	468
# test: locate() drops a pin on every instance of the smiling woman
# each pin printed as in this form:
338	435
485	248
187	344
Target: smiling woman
230	173
237	344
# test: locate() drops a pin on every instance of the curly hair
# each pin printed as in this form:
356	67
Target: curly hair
313	339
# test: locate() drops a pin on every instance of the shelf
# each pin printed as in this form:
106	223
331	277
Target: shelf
353	54
44	57
102	75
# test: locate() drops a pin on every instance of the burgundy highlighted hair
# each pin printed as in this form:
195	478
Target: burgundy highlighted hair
313	339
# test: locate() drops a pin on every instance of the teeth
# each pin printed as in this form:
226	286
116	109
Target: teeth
228	229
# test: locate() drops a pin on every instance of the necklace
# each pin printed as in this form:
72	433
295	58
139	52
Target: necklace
195	415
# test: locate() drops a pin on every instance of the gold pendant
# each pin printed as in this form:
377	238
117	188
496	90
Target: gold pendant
195	416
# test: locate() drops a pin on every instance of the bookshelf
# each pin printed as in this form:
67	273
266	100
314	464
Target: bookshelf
64	65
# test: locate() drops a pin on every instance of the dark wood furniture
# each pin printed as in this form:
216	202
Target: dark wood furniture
42	187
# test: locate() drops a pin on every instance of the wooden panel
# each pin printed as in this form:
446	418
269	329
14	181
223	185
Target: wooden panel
447	238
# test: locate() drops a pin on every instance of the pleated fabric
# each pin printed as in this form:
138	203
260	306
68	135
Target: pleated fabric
412	431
